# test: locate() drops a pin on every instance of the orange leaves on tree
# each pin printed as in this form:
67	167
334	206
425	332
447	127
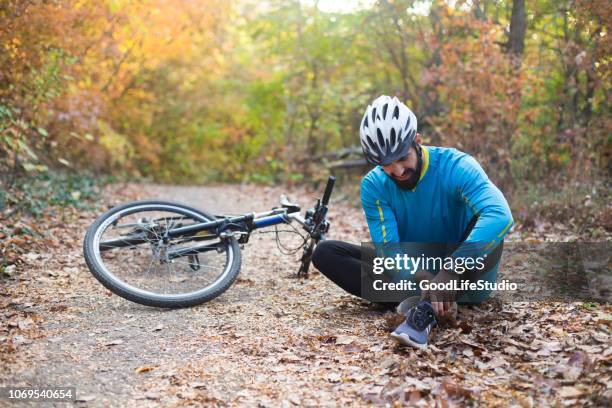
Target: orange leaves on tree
480	89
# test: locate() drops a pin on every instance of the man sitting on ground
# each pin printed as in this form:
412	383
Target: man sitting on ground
419	194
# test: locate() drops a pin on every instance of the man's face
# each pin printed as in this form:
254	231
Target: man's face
403	168
406	171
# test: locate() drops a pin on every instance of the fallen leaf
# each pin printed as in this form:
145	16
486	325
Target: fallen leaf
388	362
334	377
345	339
187	394
414	397
569	392
578	362
352	348
456	390
152	395
289	358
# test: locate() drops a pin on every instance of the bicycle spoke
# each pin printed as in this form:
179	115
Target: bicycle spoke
145	264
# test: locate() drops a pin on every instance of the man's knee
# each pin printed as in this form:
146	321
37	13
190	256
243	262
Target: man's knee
322	251
475	297
327	253
491	261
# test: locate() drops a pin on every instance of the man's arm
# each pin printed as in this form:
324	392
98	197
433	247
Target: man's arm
381	219
471	185
382	225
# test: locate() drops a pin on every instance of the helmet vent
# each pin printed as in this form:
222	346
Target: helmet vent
407	124
385	110
374	115
381	139
371	143
395	113
393	137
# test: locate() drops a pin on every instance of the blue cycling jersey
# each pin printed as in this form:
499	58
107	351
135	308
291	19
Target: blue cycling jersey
453	188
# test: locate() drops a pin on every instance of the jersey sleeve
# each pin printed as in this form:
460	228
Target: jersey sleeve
379	216
382	224
470	184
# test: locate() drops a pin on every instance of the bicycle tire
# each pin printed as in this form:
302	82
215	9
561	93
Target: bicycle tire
126	291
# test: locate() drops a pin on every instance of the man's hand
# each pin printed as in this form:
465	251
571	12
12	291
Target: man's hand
443	301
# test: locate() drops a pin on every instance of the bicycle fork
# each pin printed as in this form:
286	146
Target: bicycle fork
306	258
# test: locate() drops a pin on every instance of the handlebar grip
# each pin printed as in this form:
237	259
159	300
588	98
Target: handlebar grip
328	189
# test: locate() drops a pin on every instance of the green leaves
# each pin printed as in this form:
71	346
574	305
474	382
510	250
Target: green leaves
42	131
41	188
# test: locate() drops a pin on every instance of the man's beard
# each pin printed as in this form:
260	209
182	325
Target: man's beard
411	182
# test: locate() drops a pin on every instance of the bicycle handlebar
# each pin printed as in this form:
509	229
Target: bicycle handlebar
328	190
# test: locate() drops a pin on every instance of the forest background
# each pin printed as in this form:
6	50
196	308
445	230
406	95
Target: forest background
208	91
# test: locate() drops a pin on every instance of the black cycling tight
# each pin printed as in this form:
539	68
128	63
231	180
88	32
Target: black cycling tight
342	262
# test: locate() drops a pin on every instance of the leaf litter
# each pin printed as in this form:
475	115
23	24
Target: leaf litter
274	340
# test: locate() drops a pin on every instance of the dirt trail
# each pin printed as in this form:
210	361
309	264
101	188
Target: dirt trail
274	340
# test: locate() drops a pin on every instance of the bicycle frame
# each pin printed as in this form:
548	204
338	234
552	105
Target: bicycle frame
245	223
227	227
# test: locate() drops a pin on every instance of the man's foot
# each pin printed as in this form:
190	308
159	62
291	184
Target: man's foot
417	326
408	303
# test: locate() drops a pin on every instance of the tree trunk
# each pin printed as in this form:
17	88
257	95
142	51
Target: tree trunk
479	12
518	27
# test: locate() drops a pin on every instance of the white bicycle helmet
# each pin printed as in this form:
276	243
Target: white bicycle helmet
387	130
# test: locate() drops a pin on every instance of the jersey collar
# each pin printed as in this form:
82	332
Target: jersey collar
425	162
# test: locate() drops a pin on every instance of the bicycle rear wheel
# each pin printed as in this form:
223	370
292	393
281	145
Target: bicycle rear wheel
126	251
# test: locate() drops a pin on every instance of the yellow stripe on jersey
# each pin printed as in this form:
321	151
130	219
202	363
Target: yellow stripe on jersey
382	221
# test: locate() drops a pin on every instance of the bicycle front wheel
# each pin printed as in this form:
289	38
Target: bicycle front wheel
127	251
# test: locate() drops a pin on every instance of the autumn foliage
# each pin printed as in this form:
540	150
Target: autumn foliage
480	88
217	90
